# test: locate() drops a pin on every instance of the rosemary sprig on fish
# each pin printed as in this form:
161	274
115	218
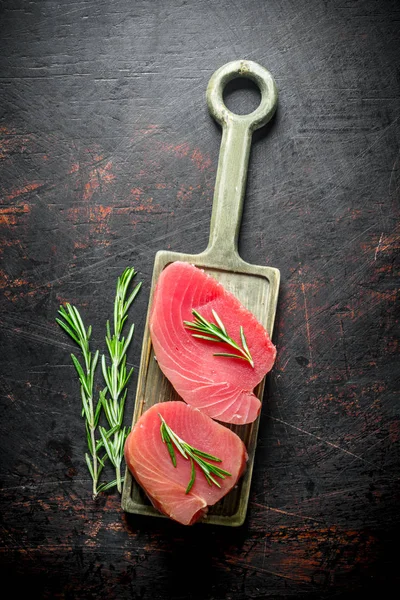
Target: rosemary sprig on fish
217	333
170	438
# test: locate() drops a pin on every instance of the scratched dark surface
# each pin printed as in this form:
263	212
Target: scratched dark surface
108	154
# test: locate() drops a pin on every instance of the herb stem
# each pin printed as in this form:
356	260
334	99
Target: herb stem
94	456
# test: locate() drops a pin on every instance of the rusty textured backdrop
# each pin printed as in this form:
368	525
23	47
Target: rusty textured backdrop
107	154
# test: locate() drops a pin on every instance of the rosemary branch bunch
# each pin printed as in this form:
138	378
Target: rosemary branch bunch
112	398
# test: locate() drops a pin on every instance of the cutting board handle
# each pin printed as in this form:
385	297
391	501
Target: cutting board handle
233	161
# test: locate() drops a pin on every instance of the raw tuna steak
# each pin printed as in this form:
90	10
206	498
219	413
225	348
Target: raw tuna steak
148	459
219	386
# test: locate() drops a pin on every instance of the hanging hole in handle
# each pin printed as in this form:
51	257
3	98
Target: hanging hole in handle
242	96
242	70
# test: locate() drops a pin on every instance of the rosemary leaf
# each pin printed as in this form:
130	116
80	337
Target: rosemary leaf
228	355
107	486
205	455
89	465
205	337
192	478
167	440
67	329
220	323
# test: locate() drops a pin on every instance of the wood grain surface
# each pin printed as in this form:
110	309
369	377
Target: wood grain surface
108	154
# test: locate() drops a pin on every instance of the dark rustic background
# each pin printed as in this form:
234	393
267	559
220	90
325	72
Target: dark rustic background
108	154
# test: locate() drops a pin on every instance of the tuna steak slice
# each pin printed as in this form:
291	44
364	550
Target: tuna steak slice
219	386
150	463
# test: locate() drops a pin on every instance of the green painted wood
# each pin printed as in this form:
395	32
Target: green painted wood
256	286
234	154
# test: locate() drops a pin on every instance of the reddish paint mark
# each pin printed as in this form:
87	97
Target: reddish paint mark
151	128
5	281
8	243
351	399
353	213
127	212
306	558
11	142
26	189
80	245
103	211
349	312
116	526
202	162
369	299
92	156
381	243
18	282
97	177
143	204
186	192
390	296
137	193
291	303
92	529
180	150
71	300
386	269
96	216
6	131
307	554
10	214
347	400
147	206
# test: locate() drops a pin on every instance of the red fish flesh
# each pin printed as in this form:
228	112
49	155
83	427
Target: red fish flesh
221	387
149	461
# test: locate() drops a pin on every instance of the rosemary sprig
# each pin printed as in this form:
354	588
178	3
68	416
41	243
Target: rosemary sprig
73	325
217	333
116	376
170	438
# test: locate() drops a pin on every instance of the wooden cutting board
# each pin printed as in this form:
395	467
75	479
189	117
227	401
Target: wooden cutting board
255	286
